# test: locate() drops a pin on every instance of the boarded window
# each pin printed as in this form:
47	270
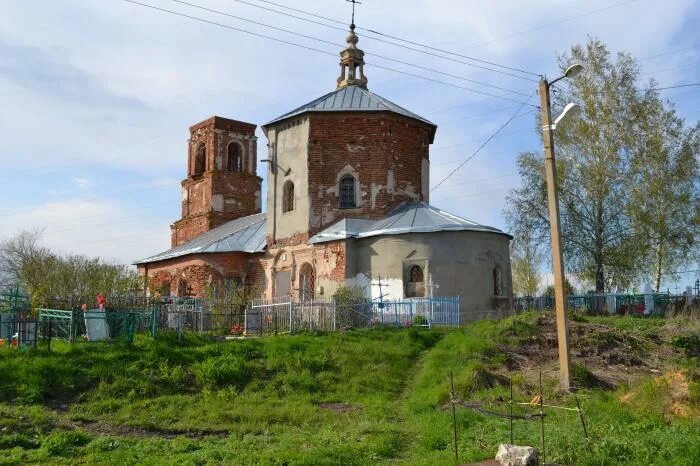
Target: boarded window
288	197
347	192
306	282
497	282
200	159
234	161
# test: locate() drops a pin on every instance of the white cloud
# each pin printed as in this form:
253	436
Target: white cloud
83	183
122	84
94	228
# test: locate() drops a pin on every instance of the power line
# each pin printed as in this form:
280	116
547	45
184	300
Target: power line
476	152
668	52
452	146
675	87
393	37
554	23
474	194
288	31
313	49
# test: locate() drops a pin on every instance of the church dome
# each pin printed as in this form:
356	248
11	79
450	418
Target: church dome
353	99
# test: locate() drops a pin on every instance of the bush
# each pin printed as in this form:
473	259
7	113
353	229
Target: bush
227	369
65	443
421	321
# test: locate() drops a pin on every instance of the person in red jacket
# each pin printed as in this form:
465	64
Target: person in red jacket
101	302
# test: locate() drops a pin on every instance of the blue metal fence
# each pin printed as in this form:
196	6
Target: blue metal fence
283	315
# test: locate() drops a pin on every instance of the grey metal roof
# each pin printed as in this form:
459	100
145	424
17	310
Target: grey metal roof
245	234
409	217
351	98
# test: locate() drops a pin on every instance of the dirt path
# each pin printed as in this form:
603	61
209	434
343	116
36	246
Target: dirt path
105	428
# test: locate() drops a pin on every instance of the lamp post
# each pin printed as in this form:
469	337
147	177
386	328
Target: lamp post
553	202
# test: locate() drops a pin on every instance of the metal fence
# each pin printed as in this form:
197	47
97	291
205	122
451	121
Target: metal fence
124	318
283	315
609	303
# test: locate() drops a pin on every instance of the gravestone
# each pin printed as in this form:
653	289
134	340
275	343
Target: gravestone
96	325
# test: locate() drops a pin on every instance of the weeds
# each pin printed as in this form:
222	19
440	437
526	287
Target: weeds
357	397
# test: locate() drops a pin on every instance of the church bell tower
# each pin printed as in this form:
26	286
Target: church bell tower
222	182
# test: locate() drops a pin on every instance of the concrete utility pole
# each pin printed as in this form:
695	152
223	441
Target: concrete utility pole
557	254
553	202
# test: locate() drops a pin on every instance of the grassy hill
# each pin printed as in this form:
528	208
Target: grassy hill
356	397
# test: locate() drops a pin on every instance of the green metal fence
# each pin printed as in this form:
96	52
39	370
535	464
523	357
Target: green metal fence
109	325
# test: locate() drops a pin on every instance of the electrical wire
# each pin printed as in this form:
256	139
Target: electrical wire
288	31
675	87
313	49
554	23
476	152
383	34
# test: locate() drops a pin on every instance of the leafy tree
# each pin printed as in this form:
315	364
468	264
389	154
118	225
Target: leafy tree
568	289
665	204
600	158
68	281
526	257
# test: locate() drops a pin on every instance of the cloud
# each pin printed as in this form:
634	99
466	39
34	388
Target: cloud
95	228
83	183
105	92
44	72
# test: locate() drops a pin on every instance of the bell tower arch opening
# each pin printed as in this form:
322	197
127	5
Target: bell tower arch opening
222	183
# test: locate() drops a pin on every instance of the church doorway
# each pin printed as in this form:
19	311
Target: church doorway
282	282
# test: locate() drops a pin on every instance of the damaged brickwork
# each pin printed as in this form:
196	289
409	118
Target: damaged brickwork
217	190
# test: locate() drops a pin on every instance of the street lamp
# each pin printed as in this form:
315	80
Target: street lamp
553	201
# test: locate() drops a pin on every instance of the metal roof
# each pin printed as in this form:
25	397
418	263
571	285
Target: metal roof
351	98
245	234
409	217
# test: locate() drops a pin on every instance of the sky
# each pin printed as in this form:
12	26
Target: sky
97	95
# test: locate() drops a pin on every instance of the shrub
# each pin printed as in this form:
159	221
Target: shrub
224	370
65	443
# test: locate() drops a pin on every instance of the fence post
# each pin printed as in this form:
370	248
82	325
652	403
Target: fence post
154	317
290	314
73	327
335	310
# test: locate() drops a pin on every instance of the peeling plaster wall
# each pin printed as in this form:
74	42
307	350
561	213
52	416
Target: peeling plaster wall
386	154
328	261
201	270
460	263
291	139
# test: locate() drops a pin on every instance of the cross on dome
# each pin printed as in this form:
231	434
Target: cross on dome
352	61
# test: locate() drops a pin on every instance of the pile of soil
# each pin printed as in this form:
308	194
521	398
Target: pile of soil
603	356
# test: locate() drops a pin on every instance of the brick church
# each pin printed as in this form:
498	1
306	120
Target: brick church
347	205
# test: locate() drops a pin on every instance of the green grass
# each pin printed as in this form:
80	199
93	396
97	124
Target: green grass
357	397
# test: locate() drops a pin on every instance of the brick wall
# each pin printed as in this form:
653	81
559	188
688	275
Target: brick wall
386	151
328	261
218	195
200	271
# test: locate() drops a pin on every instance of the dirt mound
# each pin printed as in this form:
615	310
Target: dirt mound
608	355
668	393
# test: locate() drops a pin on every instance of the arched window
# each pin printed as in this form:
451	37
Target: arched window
347	192
288	196
234	161
415	274
497	282
306	282
200	159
